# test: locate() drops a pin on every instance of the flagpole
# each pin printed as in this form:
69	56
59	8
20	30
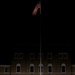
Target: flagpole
40	43
40	51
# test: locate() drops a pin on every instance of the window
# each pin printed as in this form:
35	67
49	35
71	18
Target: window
60	55
49	55
40	68
31	55
18	68
16	55
73	68
65	56
20	55
63	68
31	68
6	69
50	68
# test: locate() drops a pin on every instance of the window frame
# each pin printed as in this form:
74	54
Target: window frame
20	54
33	55
62	66
42	68
17	66
33	68
50	65
66	55
5	68
17	56
61	55
48	55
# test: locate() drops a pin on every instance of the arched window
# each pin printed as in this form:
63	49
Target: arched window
41	67
31	68
5	69
18	68
50	68
63	68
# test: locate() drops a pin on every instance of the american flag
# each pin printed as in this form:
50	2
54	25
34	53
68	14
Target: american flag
37	7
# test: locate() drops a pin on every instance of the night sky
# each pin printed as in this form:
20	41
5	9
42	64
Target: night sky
20	28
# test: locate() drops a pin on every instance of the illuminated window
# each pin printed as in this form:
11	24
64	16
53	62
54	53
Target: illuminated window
63	68
50	68
18	68
49	55
31	68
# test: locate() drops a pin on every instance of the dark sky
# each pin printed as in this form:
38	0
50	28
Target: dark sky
18	25
20	28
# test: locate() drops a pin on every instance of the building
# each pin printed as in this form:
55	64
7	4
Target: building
54	61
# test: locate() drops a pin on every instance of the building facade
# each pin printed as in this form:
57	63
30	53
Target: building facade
28	63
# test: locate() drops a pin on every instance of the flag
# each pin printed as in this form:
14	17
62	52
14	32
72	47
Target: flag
37	7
